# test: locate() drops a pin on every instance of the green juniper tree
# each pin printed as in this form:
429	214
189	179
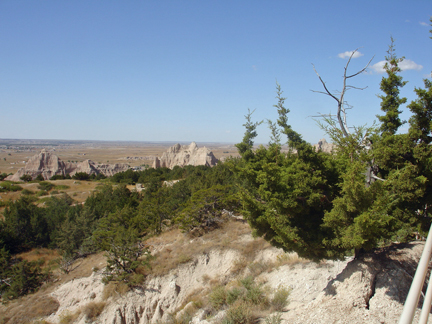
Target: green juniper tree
284	196
421	121
374	188
390	85
120	235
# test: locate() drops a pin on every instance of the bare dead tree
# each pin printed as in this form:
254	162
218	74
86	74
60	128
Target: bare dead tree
339	96
67	263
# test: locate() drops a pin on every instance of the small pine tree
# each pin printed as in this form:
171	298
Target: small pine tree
391	101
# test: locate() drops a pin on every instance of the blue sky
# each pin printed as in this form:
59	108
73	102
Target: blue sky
190	70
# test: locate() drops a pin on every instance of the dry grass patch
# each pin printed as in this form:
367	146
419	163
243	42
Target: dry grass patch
49	256
196	300
241	312
166	238
289	259
79	190
26	310
68	317
84	267
114	289
245	300
93	309
174	247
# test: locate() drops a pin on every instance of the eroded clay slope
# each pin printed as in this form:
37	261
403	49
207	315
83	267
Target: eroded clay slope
371	289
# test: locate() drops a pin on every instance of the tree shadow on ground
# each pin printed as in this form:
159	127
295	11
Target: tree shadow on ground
391	268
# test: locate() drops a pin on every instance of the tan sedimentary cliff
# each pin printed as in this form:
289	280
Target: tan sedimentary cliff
324	146
182	155
48	164
108	170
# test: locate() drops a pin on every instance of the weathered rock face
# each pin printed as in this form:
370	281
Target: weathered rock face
44	163
182	155
48	164
324	146
371	289
108	170
87	166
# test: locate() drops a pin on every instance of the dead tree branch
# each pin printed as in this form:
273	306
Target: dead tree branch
341	111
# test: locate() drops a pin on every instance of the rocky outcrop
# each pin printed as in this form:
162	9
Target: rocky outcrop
182	155
48	164
324	146
370	289
108	170
44	163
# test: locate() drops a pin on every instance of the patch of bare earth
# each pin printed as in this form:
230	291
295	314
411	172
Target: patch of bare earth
41	304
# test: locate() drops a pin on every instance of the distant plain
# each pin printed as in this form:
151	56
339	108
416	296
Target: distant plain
15	153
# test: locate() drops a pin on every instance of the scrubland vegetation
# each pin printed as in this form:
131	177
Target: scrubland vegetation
373	189
113	219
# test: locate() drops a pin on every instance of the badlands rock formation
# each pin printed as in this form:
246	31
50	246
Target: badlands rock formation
48	164
44	163
324	146
182	155
108	170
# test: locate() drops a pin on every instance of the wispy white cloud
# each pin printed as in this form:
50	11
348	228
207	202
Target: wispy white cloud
404	65
378	67
410	65
423	23
254	67
347	54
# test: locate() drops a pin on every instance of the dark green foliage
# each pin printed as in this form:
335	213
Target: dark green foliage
205	207
45	185
39	177
155	209
245	147
118	235
42	193
24	226
27	192
421	120
81	176
60	177
26	178
128	177
17	277
99	176
374	188
3	176
391	101
294	139
73	231
107	199
285	196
